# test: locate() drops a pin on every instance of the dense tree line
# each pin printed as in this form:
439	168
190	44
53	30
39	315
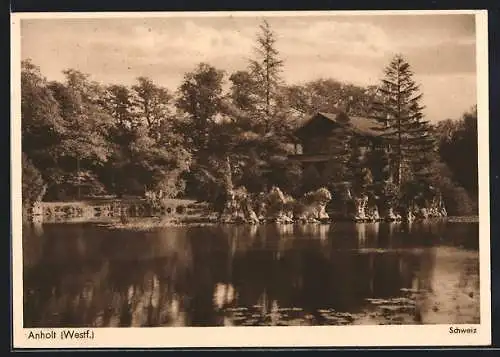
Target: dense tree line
458	167
82	138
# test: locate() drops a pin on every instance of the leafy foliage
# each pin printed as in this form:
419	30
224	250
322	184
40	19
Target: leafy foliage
151	102
42	124
203	140
200	98
458	173
86	124
33	186
329	95
458	148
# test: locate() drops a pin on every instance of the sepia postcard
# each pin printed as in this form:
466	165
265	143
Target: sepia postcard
250	179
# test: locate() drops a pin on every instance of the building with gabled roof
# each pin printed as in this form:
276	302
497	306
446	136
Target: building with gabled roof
313	138
317	144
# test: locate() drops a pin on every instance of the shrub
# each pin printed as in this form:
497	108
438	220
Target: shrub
458	202
33	186
171	185
64	185
321	195
180	209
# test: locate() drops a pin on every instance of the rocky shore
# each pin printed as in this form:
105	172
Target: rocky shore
242	207
313	207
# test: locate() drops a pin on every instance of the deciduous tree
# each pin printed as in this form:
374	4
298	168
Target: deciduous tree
151	103
200	96
42	125
84	145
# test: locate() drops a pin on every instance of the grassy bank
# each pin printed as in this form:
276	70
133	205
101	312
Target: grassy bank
150	223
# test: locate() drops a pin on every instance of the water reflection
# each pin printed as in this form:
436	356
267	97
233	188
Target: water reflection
86	275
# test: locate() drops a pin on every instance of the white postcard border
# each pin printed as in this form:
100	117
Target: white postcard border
315	336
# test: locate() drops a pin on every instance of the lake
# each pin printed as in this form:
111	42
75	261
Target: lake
87	275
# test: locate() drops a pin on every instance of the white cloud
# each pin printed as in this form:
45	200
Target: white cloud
312	48
191	43
346	38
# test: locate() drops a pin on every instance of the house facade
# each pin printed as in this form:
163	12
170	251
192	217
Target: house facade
318	140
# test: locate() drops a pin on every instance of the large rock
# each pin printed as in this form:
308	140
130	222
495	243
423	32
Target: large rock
278	206
373	214
250	214
238	208
261	206
313	206
438	208
360	204
391	215
409	216
427	207
289	207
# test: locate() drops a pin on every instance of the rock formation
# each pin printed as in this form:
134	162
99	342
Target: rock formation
277	207
373	214
312	207
360	204
238	208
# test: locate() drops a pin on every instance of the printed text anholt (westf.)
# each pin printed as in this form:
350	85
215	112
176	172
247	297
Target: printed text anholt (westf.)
66	334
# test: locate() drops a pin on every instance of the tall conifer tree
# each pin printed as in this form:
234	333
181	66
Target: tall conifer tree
266	69
403	127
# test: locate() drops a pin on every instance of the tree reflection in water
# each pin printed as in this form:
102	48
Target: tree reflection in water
86	275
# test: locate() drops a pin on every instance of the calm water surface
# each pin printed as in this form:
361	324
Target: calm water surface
78	275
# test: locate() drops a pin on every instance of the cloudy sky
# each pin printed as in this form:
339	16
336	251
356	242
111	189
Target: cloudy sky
440	49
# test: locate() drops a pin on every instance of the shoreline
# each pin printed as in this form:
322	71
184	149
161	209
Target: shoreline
150	223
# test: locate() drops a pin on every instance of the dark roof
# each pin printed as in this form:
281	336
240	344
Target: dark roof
361	125
365	126
318	119
331	116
